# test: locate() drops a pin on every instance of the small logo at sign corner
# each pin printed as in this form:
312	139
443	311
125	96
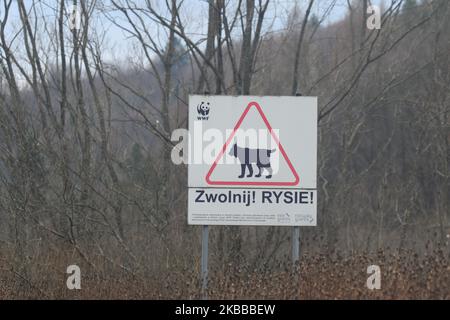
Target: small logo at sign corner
203	111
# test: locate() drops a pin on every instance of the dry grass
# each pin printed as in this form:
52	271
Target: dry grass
404	276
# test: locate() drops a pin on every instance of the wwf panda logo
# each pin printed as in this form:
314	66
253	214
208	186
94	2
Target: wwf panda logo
203	111
203	108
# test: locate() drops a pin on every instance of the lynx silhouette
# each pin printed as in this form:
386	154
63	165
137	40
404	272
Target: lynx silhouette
247	157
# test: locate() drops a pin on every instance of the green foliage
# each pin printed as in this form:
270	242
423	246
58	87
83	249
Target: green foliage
136	164
180	56
140	168
409	6
314	21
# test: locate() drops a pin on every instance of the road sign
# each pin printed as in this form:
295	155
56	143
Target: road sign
252	160
246	182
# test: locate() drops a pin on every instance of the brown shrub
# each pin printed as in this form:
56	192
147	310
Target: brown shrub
404	275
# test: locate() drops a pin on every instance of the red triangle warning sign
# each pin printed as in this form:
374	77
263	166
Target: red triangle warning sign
241	182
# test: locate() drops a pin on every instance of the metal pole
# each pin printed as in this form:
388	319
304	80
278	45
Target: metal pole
295	244
205	262
205	237
296	231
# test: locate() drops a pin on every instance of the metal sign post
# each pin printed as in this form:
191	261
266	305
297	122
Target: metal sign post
295	245
296	231
205	237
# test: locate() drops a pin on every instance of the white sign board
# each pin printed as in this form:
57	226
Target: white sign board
252	160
